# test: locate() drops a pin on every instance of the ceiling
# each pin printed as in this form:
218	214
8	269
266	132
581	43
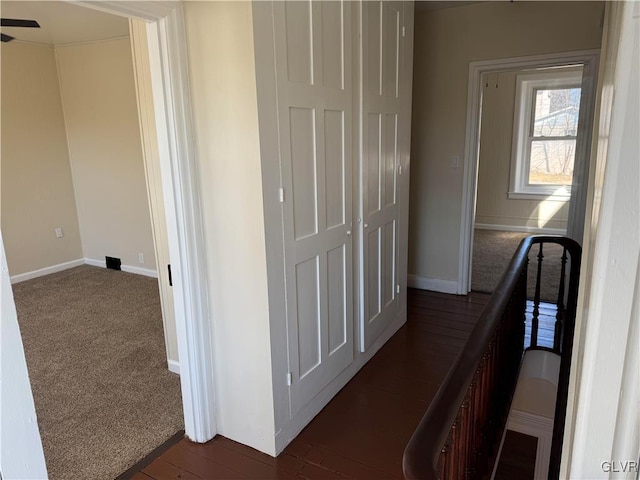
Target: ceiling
427	5
62	23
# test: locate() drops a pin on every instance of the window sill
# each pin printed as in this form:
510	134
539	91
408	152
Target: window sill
551	196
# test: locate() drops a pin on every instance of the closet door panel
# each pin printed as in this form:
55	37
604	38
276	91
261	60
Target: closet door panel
382	44
313	73
337	287
304	171
335	168
308	313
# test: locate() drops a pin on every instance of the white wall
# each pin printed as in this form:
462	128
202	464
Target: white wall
21	454
37	189
603	414
101	116
445	42
493	206
223	83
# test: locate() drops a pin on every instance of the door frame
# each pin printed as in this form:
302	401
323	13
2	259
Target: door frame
589	59
167	50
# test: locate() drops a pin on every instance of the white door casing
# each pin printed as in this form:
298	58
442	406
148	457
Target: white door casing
382	124
589	60
314	85
181	194
144	96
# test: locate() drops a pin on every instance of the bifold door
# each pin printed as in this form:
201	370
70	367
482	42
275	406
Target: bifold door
313	71
382	43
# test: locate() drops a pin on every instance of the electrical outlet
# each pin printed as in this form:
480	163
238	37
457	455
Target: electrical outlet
141	257
59	233
455	161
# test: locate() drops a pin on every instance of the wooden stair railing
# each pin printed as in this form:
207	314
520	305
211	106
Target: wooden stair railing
459	435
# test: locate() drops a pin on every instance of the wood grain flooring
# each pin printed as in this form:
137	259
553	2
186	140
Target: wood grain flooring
362	432
518	458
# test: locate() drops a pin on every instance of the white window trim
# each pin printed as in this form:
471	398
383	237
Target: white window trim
519	187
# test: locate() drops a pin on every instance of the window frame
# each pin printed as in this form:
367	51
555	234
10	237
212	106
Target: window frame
527	86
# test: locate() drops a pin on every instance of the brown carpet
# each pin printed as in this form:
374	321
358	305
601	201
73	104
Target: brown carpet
492	252
95	351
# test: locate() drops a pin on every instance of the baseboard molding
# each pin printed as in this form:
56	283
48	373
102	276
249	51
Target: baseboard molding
46	271
95	263
147	272
521	229
174	366
432	284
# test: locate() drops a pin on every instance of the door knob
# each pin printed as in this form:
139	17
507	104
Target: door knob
348	232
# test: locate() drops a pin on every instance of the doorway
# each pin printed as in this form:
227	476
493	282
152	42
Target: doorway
75	200
166	53
523	143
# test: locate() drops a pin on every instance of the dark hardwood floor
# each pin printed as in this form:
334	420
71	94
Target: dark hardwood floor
518	458
363	431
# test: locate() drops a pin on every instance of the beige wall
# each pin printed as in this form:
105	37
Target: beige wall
37	189
223	81
493	206
445	42
98	96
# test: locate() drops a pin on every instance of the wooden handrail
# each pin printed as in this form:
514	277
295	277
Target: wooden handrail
458	435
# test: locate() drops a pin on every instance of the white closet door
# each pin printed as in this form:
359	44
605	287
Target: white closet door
313	72
382	120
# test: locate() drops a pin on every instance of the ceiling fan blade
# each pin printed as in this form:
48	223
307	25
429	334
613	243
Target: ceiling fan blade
12	22
6	38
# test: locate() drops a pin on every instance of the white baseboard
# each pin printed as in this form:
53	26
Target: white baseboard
516	228
433	284
46	271
95	263
174	366
147	272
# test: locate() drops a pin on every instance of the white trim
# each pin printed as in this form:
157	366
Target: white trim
541	196
147	272
181	193
539	427
529	423
603	419
180	181
173	366
526	83
522	229
21	277
587	58
95	263
147	125
432	284
70	44
151	11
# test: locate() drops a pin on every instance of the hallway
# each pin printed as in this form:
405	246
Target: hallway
363	431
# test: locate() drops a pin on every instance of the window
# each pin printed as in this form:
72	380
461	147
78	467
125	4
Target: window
545	132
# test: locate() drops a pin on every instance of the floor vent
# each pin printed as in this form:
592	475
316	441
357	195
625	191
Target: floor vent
113	263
